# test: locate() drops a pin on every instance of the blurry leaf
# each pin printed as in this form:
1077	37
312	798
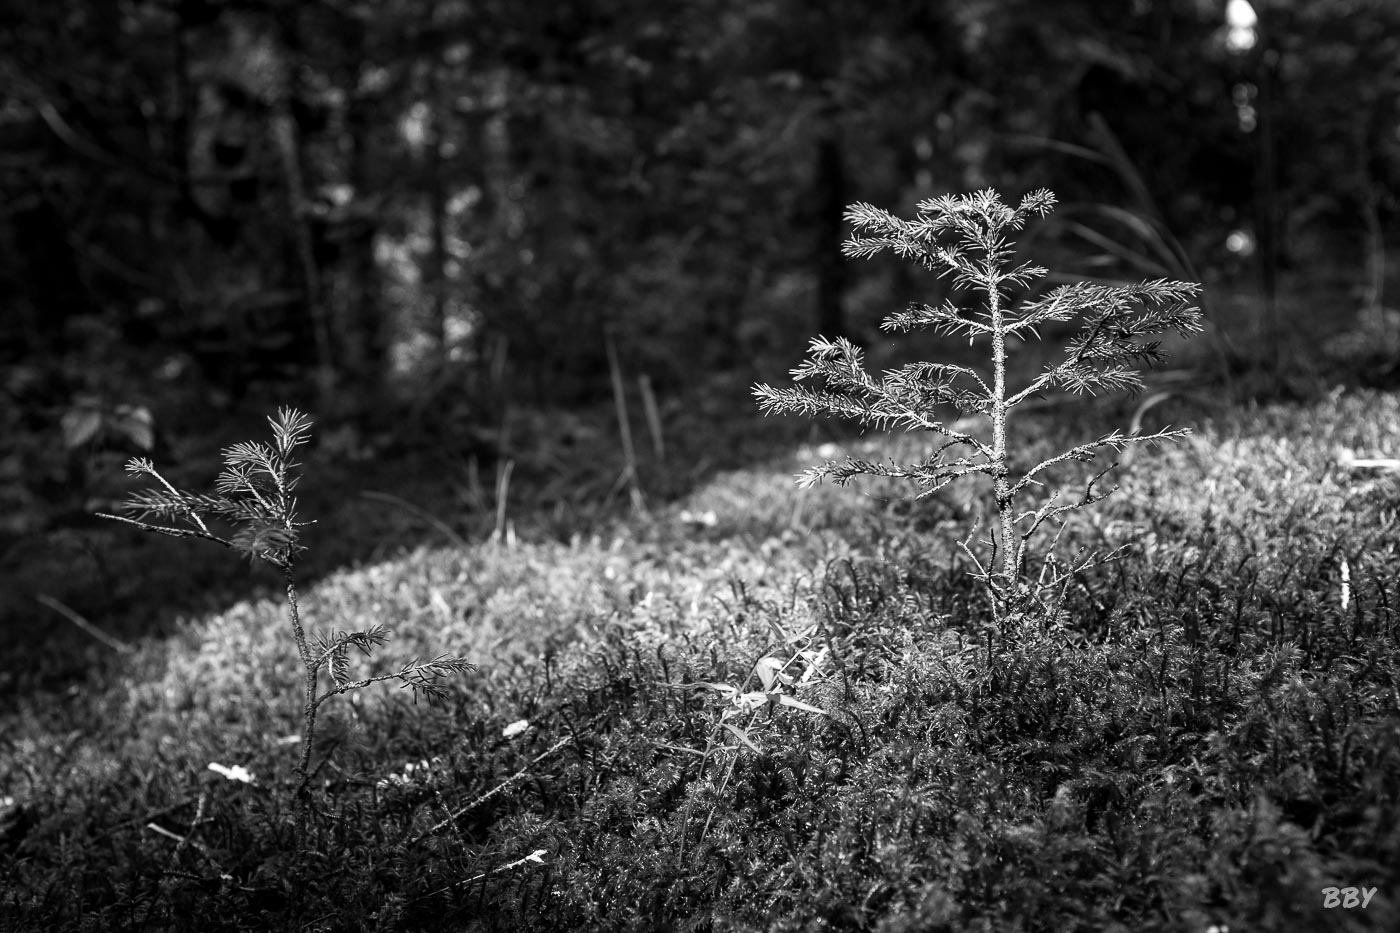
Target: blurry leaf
80	425
136	424
235	773
1115	247
1055	145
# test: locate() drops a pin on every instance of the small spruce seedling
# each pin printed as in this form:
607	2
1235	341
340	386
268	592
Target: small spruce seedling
254	493
967	237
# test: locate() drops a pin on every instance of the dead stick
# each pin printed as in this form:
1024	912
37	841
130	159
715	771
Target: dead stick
502	491
658	443
620	401
412	509
84	624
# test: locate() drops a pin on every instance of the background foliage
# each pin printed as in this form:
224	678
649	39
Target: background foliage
423	219
229	192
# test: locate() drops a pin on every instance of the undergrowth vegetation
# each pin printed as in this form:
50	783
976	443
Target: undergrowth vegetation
1208	739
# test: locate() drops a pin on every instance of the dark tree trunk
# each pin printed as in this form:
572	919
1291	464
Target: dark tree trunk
288	140
830	199
436	273
367	342
1267	214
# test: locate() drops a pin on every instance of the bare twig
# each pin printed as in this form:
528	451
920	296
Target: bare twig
658	441
534	858
503	533
414	510
115	644
629	473
469	807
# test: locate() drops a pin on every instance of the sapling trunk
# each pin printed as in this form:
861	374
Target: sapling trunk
312	669
1001	413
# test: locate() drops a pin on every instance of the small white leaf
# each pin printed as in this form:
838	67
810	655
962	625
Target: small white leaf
815	661
440	605
136	424
706	519
768	670
515	728
80	425
236	773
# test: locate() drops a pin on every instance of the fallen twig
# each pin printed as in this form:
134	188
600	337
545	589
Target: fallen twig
458	814
115	644
412	509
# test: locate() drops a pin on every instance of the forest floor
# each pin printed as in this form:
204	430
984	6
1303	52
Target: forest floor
1208	737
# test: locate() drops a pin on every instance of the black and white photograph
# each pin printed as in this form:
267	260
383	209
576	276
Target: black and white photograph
700	466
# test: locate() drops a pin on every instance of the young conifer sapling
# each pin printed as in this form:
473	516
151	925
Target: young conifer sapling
968	237
255	494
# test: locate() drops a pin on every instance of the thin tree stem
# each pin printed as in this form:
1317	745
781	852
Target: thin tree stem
1000	411
312	667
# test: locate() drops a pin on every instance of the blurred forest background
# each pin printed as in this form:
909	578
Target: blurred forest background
411	216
